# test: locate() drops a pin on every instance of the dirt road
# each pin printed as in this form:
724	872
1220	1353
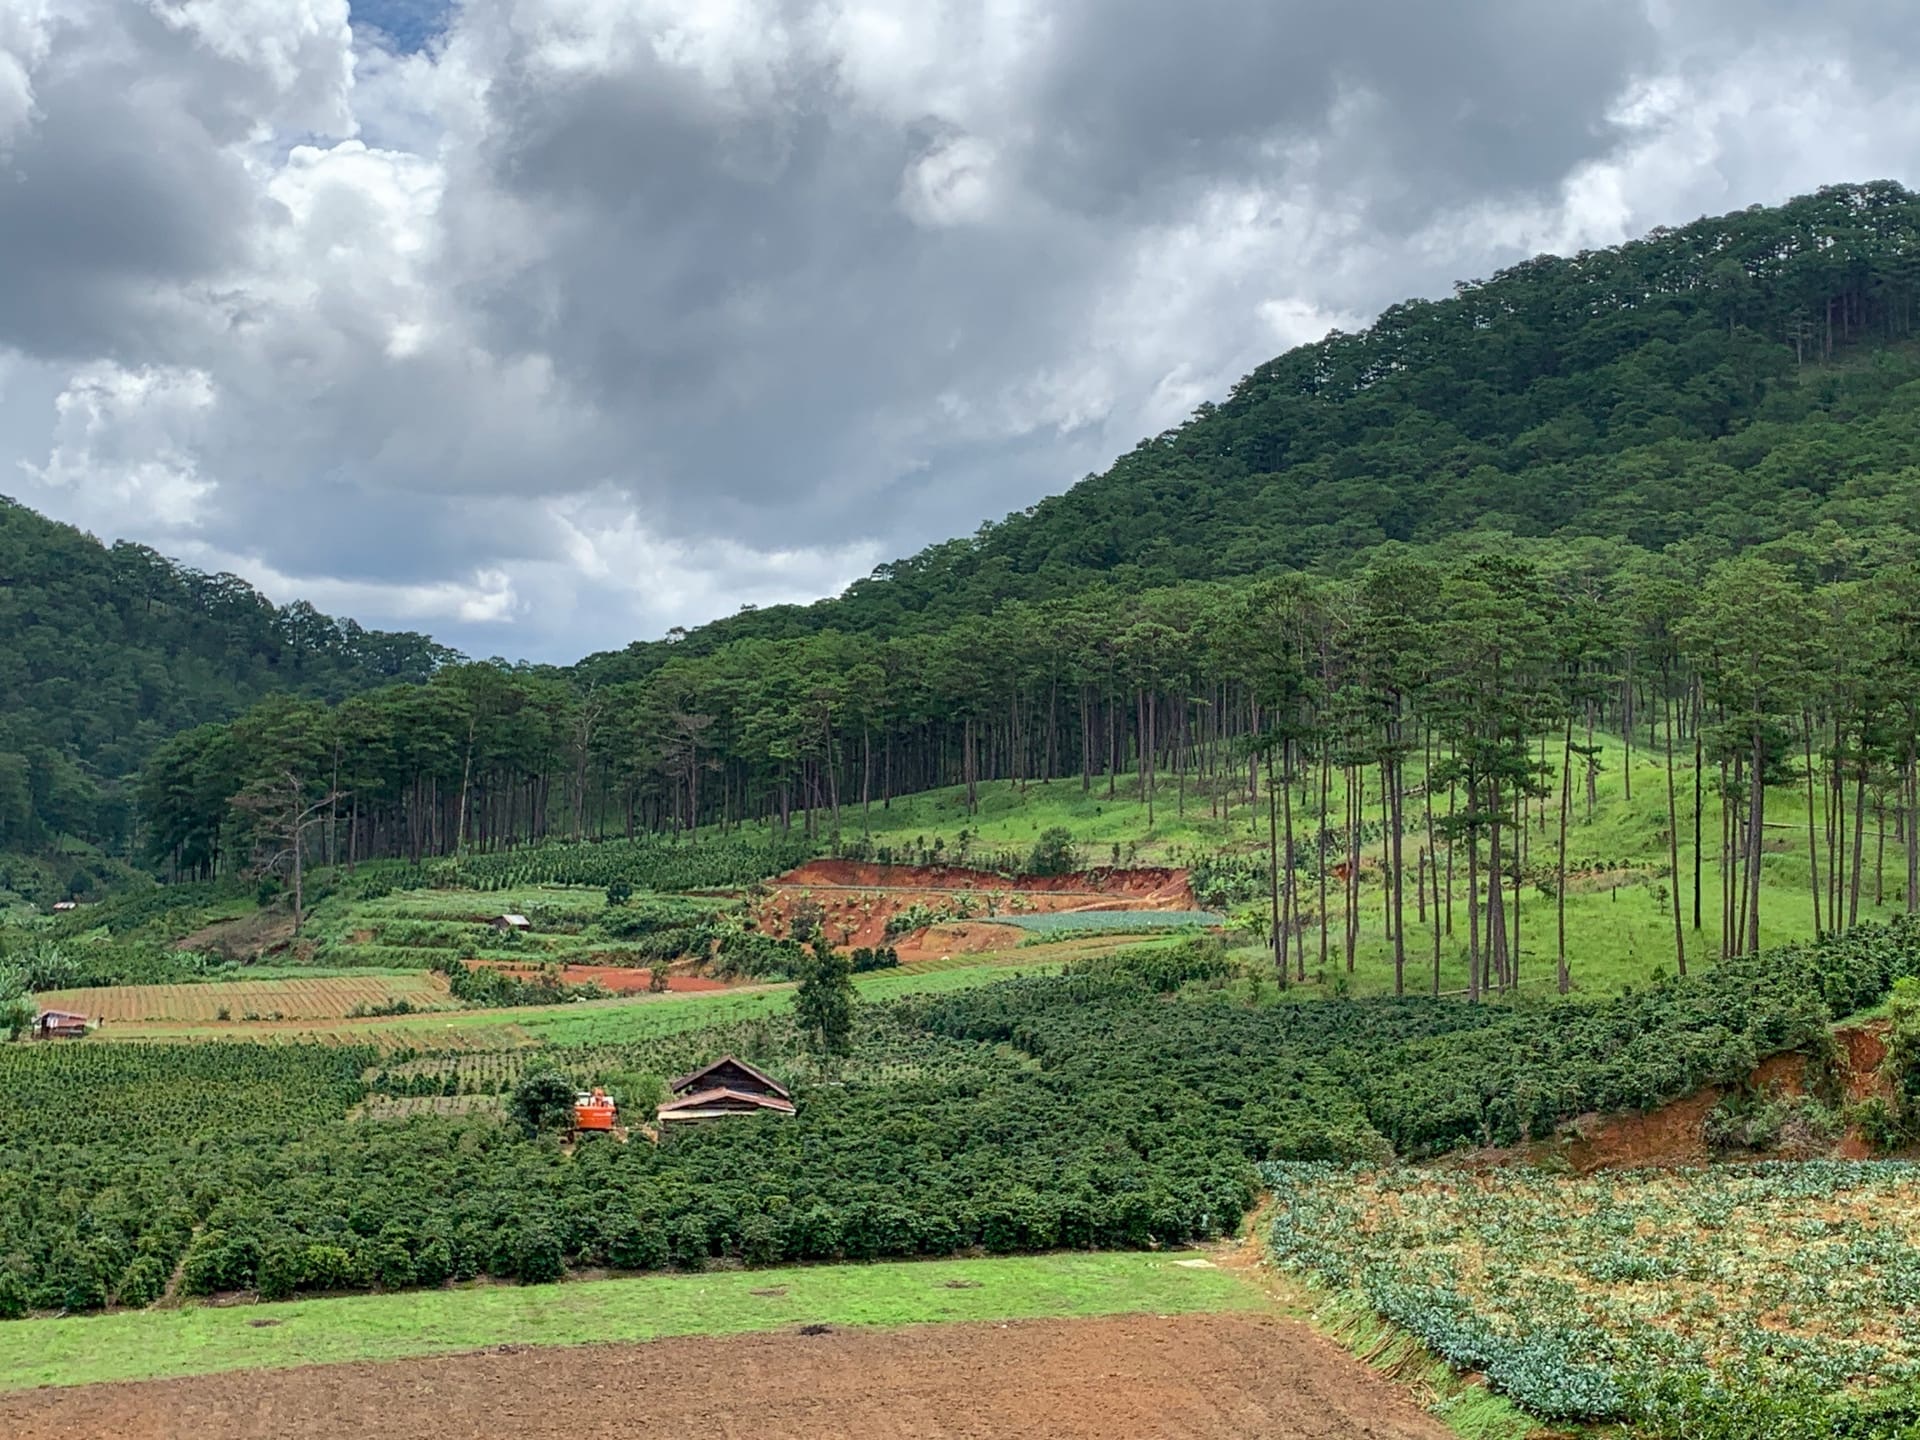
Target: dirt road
1215	1376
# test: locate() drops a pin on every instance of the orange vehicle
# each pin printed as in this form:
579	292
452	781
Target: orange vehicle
594	1112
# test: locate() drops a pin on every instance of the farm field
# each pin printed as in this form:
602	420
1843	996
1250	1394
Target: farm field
623	1018
1576	1296
204	1339
1181	1376
285	998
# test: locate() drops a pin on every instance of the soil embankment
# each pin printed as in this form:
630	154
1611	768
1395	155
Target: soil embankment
1675	1134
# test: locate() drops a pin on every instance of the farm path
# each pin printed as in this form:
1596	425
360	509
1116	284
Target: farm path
1191	1377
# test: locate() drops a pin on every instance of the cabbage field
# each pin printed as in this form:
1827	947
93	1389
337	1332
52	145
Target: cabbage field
1578	1297
1125	922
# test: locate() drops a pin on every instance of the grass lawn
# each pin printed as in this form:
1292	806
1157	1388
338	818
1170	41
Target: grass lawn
199	1340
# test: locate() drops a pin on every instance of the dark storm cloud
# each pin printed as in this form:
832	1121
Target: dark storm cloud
1457	101
732	270
592	316
119	188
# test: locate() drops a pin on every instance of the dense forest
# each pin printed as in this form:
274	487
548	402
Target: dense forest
1665	490
106	652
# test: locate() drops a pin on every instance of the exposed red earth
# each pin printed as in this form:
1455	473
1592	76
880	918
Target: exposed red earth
856	901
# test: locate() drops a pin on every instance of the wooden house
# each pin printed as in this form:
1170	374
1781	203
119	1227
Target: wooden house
729	1086
510	922
59	1025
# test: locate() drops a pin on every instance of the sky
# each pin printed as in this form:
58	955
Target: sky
546	325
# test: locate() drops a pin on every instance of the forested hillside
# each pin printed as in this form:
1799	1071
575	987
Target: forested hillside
1666	490
106	652
1725	383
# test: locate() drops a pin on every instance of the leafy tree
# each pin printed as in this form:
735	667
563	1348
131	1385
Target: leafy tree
16	1014
823	1006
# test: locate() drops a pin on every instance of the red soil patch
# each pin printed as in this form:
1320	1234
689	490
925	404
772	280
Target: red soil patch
1866	1047
1672	1135
1675	1134
1222	1377
856	900
1151	882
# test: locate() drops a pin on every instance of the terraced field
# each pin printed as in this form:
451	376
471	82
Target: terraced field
319	998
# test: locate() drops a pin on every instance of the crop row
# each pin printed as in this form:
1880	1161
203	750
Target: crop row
331	997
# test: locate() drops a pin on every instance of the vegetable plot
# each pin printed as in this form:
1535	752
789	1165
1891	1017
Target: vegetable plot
1591	1298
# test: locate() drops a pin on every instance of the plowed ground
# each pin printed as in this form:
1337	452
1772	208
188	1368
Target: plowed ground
1216	1376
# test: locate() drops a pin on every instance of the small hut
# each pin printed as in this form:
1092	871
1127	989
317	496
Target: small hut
510	922
729	1086
59	1025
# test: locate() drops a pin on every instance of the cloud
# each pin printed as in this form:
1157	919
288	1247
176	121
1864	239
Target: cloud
125	447
553	323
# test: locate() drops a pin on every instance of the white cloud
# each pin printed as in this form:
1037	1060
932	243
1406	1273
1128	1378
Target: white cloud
24	42
951	184
125	446
302	49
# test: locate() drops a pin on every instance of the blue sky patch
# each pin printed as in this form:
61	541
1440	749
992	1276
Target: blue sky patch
409	24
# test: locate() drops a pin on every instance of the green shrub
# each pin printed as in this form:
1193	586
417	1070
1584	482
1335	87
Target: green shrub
543	1102
537	1256
1053	853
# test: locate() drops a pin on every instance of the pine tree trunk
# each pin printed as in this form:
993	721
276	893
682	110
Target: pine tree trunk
1757	808
1813	845
1859	832
1320	855
1879	849
1355	810
1473	892
1673	839
1699	799
1291	897
1398	879
1560	900
1496	905
1913	818
1273	877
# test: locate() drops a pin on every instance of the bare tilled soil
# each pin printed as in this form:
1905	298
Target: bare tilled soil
1223	1376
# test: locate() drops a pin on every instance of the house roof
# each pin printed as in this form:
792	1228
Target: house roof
689	1080
686	1105
57	1017
514	920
